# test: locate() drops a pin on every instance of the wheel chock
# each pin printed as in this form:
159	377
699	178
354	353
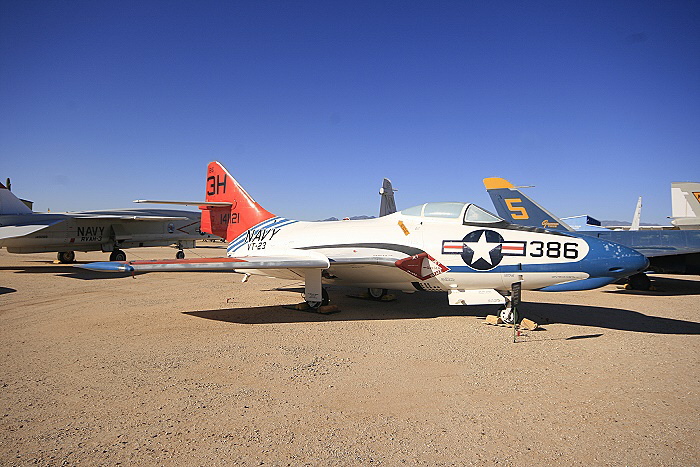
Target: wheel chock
328	309
323	310
528	325
493	319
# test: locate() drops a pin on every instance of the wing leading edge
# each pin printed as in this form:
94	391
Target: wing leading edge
292	261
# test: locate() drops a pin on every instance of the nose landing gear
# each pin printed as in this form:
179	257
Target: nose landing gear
639	281
506	314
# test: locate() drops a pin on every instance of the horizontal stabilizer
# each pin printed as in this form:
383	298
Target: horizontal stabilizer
185	203
126	217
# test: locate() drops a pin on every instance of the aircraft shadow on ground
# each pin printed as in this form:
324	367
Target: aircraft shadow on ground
609	318
63	270
4	290
363	311
407	308
665	286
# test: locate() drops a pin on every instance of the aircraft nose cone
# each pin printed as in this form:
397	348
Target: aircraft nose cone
619	260
636	262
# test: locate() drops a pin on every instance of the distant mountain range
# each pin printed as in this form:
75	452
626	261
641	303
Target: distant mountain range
353	218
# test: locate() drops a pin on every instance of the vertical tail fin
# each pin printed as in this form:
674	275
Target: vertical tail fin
10	204
387	205
517	208
240	214
637	215
685	205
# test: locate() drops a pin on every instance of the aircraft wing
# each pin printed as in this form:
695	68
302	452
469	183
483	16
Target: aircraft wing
300	260
295	259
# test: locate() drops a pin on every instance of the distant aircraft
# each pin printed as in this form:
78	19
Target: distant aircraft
637	215
457	248
387	205
685	205
24	231
669	251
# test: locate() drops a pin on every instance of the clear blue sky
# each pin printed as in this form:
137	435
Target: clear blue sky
310	104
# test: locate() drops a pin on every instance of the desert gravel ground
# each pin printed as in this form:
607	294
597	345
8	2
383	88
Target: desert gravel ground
201	369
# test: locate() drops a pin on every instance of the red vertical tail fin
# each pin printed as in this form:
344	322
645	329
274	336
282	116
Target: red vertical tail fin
229	221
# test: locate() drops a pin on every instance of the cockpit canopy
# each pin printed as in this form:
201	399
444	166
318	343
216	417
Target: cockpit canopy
469	213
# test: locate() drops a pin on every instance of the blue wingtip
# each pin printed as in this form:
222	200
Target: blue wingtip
107	266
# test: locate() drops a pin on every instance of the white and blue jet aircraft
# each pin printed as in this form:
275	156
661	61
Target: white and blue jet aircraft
458	248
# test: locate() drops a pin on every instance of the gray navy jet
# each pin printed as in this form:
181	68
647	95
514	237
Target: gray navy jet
25	231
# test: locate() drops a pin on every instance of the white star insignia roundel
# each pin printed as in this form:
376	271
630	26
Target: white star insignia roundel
482	249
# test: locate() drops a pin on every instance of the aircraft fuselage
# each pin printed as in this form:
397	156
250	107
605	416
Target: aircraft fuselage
448	253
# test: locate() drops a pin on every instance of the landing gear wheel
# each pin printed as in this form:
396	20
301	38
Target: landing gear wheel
639	281
376	294
117	255
180	254
506	315
325	300
66	256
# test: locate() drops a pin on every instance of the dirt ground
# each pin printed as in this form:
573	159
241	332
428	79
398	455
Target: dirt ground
201	369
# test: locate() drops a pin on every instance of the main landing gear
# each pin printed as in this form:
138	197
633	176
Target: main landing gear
377	294
66	256
180	254
315	304
314	294
117	255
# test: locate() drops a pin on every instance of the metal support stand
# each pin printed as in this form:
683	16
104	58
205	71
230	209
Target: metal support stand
515	293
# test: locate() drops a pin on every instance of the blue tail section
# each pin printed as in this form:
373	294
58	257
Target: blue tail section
517	208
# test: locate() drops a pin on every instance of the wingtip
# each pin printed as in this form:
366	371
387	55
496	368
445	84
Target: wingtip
494	183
